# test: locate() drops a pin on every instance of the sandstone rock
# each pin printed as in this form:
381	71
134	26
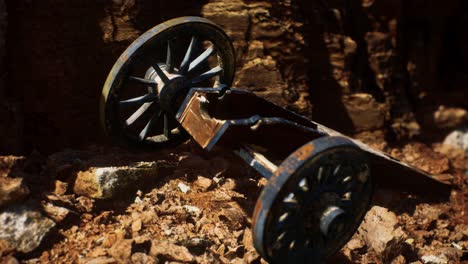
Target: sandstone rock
262	76
425	215
255	50
118	24
458	139
232	16
98	260
233	217
450	117
12	190
382	56
183	187
57	213
170	252
5	248
203	183
60	188
9	260
24	227
382	233
136	225
142	258
251	255
121	250
84	204
399	260
10	166
433	259
193	210
439	255
108	182
97	252
364	111
342	49
355	243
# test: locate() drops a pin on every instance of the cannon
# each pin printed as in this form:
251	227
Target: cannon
174	83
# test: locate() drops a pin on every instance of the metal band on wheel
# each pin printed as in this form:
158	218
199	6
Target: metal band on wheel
314	203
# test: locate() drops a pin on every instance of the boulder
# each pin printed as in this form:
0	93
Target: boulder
24	227
458	139
108	182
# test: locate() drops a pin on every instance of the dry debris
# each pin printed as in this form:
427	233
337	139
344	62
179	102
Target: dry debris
198	209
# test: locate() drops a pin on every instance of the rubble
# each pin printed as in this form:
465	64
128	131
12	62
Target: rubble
211	221
422	157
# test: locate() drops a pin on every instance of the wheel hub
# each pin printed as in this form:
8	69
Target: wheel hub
170	91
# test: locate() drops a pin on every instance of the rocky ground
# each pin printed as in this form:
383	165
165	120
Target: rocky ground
182	205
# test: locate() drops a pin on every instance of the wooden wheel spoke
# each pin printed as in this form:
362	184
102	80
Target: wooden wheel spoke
200	59
169	59
188	54
207	75
138	100
145	132
167	131
139	112
151	83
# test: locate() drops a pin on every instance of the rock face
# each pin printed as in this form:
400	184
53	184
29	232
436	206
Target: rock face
309	58
107	182
24	227
382	233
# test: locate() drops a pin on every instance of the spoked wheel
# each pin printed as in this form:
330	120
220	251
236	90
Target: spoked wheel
149	81
307	216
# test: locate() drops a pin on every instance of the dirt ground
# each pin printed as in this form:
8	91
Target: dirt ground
199	210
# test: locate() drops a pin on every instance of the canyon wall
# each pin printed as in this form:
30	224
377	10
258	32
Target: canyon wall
370	68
